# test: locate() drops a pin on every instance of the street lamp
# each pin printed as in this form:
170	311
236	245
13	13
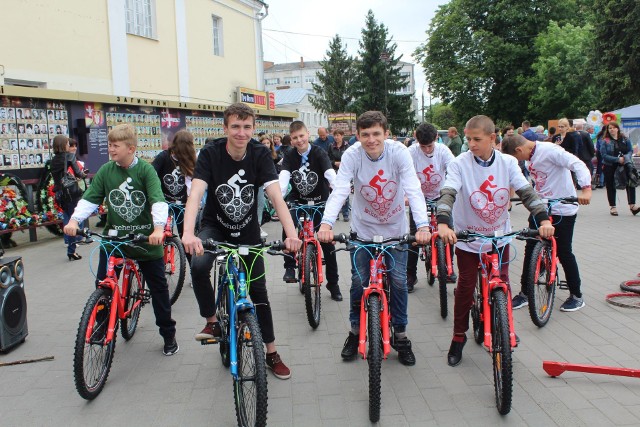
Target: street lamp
384	56
423	100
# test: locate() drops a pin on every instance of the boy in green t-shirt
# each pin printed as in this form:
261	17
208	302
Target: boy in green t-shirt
135	205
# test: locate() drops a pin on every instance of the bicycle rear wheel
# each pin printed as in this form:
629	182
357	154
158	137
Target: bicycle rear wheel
311	286
374	356
540	290
175	268
134	293
92	357
250	387
222	313
300	263
427	263
442	276
476	311
502	368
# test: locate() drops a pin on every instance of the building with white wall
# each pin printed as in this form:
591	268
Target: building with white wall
297	100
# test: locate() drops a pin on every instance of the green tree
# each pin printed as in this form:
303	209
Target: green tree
441	115
562	85
378	79
334	92
617	52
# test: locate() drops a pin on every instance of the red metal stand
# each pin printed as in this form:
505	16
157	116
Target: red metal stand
556	369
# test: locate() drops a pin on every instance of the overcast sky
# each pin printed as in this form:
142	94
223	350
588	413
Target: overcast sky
407	21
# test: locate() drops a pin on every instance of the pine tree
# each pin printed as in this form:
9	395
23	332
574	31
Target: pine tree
378	78
334	90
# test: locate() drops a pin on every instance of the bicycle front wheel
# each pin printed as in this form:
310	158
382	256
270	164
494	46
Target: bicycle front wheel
476	311
134	293
175	266
92	357
222	313
502	367
311	286
374	356
540	290
427	264
250	387
442	276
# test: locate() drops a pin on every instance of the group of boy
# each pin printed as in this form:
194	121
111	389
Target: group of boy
373	164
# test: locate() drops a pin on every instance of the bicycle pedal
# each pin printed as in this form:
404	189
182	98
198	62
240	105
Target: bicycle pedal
209	341
563	285
324	262
145	296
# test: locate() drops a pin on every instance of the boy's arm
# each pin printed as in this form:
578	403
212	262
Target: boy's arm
191	243
292	242
330	176
283	180
327	167
569	161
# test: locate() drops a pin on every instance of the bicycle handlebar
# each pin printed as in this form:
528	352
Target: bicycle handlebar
524	233
343	238
129	238
213	245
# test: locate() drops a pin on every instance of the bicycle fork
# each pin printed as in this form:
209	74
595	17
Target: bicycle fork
485	317
375	287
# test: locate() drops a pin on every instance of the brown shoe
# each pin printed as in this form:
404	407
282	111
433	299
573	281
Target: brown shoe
278	367
211	331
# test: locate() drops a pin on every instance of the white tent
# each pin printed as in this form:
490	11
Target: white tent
630	124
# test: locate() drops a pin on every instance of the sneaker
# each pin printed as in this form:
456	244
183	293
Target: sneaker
454	357
572	303
350	349
211	331
519	301
263	233
170	346
345	218
411	283
277	366
289	275
405	354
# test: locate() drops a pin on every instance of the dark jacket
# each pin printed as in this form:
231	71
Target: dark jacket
587	151
335	153
59	165
612	150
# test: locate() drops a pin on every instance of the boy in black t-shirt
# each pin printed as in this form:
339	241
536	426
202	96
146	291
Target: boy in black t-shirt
233	168
309	169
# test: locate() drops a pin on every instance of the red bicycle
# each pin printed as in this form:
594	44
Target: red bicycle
175	257
309	261
109	303
437	258
375	316
492	315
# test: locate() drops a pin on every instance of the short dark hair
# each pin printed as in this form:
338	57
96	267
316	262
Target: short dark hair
510	143
297	125
241	110
481	122
338	132
73	142
370	119
426	134
526	123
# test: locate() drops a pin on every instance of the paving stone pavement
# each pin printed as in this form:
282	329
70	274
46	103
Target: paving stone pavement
192	388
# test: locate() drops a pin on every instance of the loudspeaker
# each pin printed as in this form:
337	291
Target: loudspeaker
13	303
81	131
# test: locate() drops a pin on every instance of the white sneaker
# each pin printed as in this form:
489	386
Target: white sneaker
263	233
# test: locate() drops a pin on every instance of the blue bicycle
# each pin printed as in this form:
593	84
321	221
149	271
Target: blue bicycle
241	345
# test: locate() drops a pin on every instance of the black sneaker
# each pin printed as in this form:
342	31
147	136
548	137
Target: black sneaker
411	283
289	275
455	352
350	349
334	288
170	346
405	354
452	278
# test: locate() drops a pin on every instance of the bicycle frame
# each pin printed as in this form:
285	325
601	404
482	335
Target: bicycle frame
169	250
433	225
377	270
307	235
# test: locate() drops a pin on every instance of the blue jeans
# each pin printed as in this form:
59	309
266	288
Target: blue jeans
346	208
396	264
71	242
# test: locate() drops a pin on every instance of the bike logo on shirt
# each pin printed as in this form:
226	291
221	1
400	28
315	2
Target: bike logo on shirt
304	179
489	202
539	178
174	182
234	199
127	204
380	194
429	180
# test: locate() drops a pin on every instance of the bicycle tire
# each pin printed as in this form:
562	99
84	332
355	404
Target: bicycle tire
129	324
476	311
300	262
222	313
250	386
312	287
431	279
90	379
501	354
374	356
442	276
175	279
541	293
631	286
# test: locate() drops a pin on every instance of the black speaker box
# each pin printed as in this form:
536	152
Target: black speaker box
13	303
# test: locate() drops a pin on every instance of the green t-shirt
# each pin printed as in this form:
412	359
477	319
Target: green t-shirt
129	195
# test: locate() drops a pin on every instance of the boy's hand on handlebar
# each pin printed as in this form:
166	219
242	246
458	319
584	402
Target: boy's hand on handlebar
157	237
585	196
292	244
423	236
71	228
192	244
546	230
325	233
446	234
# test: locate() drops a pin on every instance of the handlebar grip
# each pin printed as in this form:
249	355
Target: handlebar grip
209	244
341	238
141	238
277	245
570	200
409	238
82	232
528	232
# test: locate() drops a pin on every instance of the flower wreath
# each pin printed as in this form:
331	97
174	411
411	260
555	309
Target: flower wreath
14	207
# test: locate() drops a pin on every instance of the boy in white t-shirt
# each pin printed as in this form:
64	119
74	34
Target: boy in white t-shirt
478	181
382	174
430	161
550	167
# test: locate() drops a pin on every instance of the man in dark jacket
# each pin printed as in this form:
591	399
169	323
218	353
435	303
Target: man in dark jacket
587	151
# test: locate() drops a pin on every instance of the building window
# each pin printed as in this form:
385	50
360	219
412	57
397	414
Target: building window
291	80
141	17
310	79
273	81
218	48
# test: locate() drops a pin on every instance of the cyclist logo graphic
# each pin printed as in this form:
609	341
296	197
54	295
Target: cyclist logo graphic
235	200
174	182
539	178
304	179
489	202
429	180
128	204
379	193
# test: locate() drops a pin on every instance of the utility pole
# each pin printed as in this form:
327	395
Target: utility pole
384	56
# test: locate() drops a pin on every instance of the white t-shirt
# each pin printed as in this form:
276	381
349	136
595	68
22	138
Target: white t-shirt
431	168
482	199
550	167
379	190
